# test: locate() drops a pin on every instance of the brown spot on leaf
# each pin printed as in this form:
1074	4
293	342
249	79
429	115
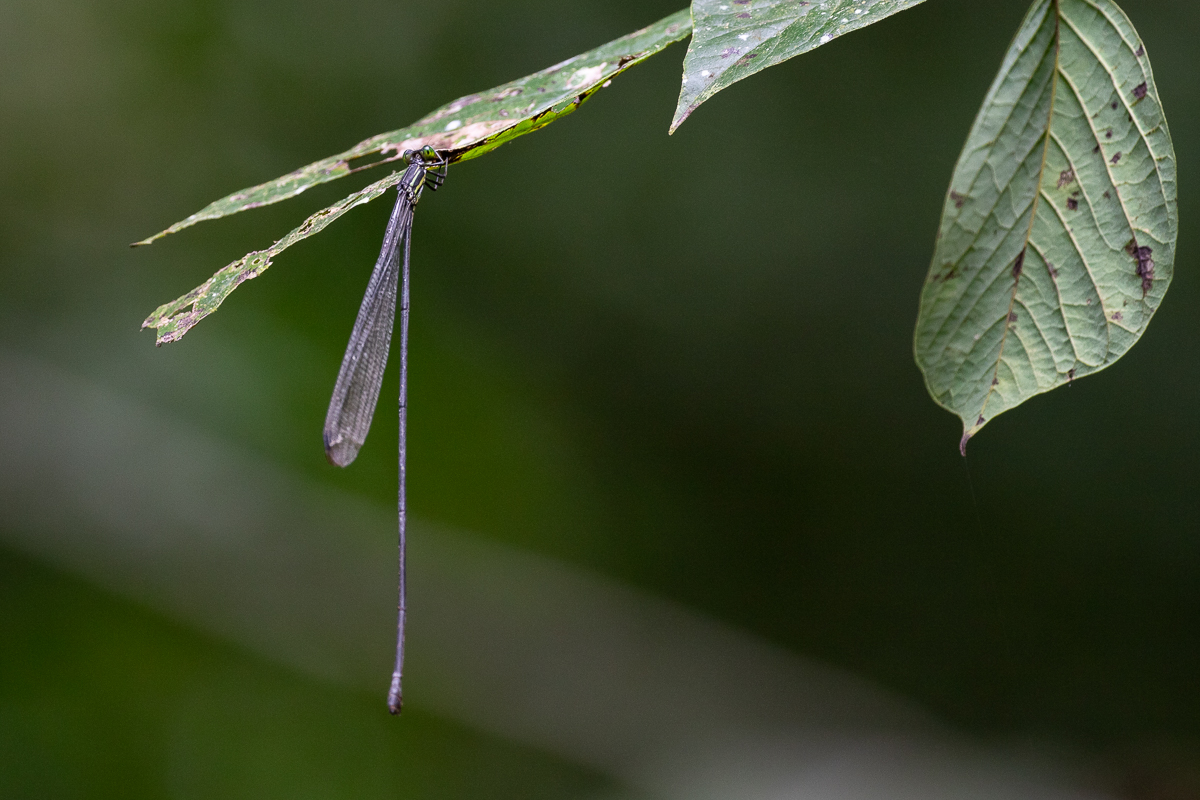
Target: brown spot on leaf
957	198
951	270
1116	158
1018	265
1096	149
1070	375
1114	105
1107	196
1053	270
743	16
744	60
1141	51
1117	316
1072	204
1145	264
1066	177
995	381
1139	91
1108	134
1012	316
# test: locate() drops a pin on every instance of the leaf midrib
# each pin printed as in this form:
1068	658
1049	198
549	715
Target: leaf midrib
1008	321
974	239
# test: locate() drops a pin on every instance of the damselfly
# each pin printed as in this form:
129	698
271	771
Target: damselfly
358	381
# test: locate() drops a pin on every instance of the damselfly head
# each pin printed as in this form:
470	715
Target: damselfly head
429	155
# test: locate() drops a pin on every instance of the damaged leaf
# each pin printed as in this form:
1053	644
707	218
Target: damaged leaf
1057	238
733	39
470	126
176	318
464	129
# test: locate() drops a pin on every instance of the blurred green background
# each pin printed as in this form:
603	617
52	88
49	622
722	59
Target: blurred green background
681	363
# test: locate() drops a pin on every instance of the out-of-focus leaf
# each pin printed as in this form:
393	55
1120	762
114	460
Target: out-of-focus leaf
1057	238
733	39
470	126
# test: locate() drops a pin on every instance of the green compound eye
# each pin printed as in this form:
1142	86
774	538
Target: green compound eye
406	157
428	153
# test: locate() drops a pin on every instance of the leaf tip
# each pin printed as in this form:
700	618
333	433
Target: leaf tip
165	331
681	115
169	336
969	431
154	238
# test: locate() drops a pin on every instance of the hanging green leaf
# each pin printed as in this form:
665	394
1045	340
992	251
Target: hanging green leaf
470	126
1057	239
733	39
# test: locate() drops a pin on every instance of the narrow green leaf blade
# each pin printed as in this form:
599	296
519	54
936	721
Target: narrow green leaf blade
469	126
174	319
1057	240
733	39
